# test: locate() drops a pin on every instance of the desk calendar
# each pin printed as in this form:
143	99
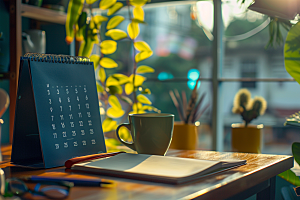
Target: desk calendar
57	111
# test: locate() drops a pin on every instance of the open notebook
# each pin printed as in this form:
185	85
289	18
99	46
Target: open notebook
163	169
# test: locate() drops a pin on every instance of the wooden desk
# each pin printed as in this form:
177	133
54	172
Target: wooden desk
258	176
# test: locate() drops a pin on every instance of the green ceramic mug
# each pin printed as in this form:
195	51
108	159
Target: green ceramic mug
151	132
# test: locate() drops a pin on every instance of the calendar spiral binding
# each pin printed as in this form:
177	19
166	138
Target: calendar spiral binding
56	58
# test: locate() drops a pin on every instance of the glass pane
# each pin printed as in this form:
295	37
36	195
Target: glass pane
246	53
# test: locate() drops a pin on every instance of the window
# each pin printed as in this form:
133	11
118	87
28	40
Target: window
248	70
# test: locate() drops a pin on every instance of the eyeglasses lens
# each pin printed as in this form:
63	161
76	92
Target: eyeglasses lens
17	187
55	192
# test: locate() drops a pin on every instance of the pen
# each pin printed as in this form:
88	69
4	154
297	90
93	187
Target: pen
76	181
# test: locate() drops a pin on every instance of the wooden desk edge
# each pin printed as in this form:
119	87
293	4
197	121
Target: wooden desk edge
230	189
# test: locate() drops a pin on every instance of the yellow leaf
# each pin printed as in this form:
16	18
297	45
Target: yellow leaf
108	63
146	107
111	81
90	1
102	74
143	99
125	134
121	78
115	112
105	4
138	2
114	101
108	46
114	22
138	80
116	34
108	125
144	69
142	46
111	143
137	106
128	88
138	13
99	18
99	88
95	59
117	6
133	30
143	55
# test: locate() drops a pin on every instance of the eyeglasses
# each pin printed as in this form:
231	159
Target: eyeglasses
51	190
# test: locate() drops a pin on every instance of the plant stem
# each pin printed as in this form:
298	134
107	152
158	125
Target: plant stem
134	62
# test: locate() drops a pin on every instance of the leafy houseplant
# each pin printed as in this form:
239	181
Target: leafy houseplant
100	30
248	108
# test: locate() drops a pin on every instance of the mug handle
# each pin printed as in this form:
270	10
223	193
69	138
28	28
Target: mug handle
130	145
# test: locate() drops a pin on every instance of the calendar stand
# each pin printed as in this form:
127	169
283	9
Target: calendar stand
57	111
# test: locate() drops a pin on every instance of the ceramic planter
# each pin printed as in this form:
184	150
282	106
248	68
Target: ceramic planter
185	136
246	139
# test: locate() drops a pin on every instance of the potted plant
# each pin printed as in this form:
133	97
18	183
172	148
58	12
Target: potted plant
247	137
185	133
119	94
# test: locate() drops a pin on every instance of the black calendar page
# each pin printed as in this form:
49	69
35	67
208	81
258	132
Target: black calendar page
67	110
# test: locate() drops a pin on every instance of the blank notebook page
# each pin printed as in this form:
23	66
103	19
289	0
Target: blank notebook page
153	165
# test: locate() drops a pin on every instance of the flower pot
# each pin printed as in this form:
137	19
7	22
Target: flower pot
185	136
246	139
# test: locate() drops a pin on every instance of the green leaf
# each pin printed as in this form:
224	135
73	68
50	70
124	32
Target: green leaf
108	63
102	74
95	59
114	22
296	151
108	125
292	52
117	6
116	34
133	30
114	101
291	177
143	99
108	46
144	69
115	89
115	112
111	81
142	46
143	55
105	4
138	13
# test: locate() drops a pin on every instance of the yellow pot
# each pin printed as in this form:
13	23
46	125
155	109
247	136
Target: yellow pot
185	136
246	139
